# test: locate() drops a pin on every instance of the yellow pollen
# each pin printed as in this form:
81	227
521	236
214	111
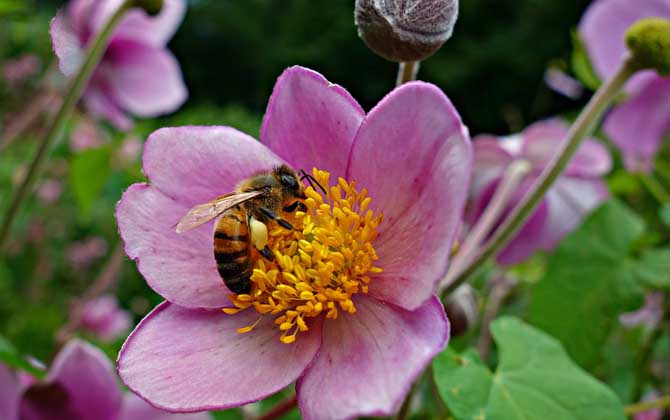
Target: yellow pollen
320	265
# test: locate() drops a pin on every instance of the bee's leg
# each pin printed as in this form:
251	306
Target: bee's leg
267	253
297	205
273	216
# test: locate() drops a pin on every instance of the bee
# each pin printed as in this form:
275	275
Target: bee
244	214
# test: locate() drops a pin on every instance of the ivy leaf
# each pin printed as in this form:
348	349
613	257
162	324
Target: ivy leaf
590	279
534	379
88	174
11	357
654	268
581	64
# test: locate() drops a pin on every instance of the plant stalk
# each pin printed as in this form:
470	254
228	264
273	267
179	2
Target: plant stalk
55	131
641	407
407	72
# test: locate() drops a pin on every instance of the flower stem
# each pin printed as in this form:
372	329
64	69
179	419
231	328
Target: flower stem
55	131
655	188
581	128
282	408
407	72
641	407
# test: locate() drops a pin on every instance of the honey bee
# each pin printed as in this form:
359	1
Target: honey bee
244	214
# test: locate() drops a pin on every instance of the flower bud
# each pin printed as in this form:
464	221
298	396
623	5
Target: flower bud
649	43
405	30
152	7
461	308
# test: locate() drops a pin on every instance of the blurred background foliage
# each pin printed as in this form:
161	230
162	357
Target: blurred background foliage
231	52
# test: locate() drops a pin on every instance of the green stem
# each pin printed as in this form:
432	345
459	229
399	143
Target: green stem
655	188
641	407
581	128
55	131
407	72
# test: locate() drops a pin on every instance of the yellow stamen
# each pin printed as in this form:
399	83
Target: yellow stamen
320	264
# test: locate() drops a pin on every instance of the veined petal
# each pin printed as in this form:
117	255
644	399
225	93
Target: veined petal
369	360
66	44
194	165
179	267
490	161
419	182
311	122
204	364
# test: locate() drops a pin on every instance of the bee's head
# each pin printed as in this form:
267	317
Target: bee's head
289	182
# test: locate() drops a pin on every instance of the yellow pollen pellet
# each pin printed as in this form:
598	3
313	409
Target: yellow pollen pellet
318	266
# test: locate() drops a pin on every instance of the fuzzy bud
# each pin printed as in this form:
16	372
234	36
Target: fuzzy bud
649	43
405	30
152	7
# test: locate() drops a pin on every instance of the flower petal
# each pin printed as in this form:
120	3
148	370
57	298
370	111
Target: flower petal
569	200
194	165
88	377
143	79
191	360
137	25
541	140
135	408
66	45
179	267
100	104
490	161
10	391
310	121
419	182
638	125
369	360
602	29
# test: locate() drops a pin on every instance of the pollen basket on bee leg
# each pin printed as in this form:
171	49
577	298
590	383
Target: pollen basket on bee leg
319	265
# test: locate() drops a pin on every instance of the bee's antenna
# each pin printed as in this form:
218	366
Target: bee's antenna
310	179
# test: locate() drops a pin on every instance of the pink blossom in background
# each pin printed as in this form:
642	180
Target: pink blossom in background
649	315
137	75
82	385
638	125
654	413
130	150
86	135
186	355
82	253
576	192
561	83
49	191
19	69
105	319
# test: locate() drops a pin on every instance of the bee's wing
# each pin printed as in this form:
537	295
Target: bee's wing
203	213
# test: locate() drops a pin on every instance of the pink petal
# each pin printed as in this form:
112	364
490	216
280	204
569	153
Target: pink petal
191	360
137	25
194	165
542	139
100	104
569	200
413	155
310	121
135	408
369	360
10	391
179	267
143	79
66	45
89	378
490	161
638	125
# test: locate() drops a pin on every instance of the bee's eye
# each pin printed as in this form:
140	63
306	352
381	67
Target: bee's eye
289	181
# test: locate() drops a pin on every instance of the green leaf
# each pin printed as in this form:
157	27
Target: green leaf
664	214
11	357
233	414
581	64
534	379
88	174
590	279
654	268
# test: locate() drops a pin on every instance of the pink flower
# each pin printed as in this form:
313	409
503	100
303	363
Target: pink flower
17	70
82	253
81	384
638	125
412	155
104	318
577	191
137	74
86	135
649	315
49	191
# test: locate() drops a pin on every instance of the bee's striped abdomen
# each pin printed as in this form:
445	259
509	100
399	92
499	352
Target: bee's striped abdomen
231	250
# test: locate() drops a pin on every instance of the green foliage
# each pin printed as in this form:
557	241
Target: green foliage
581	64
590	279
654	268
535	377
88	173
11	357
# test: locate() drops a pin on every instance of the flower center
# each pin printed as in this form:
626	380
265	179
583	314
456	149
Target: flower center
320	264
